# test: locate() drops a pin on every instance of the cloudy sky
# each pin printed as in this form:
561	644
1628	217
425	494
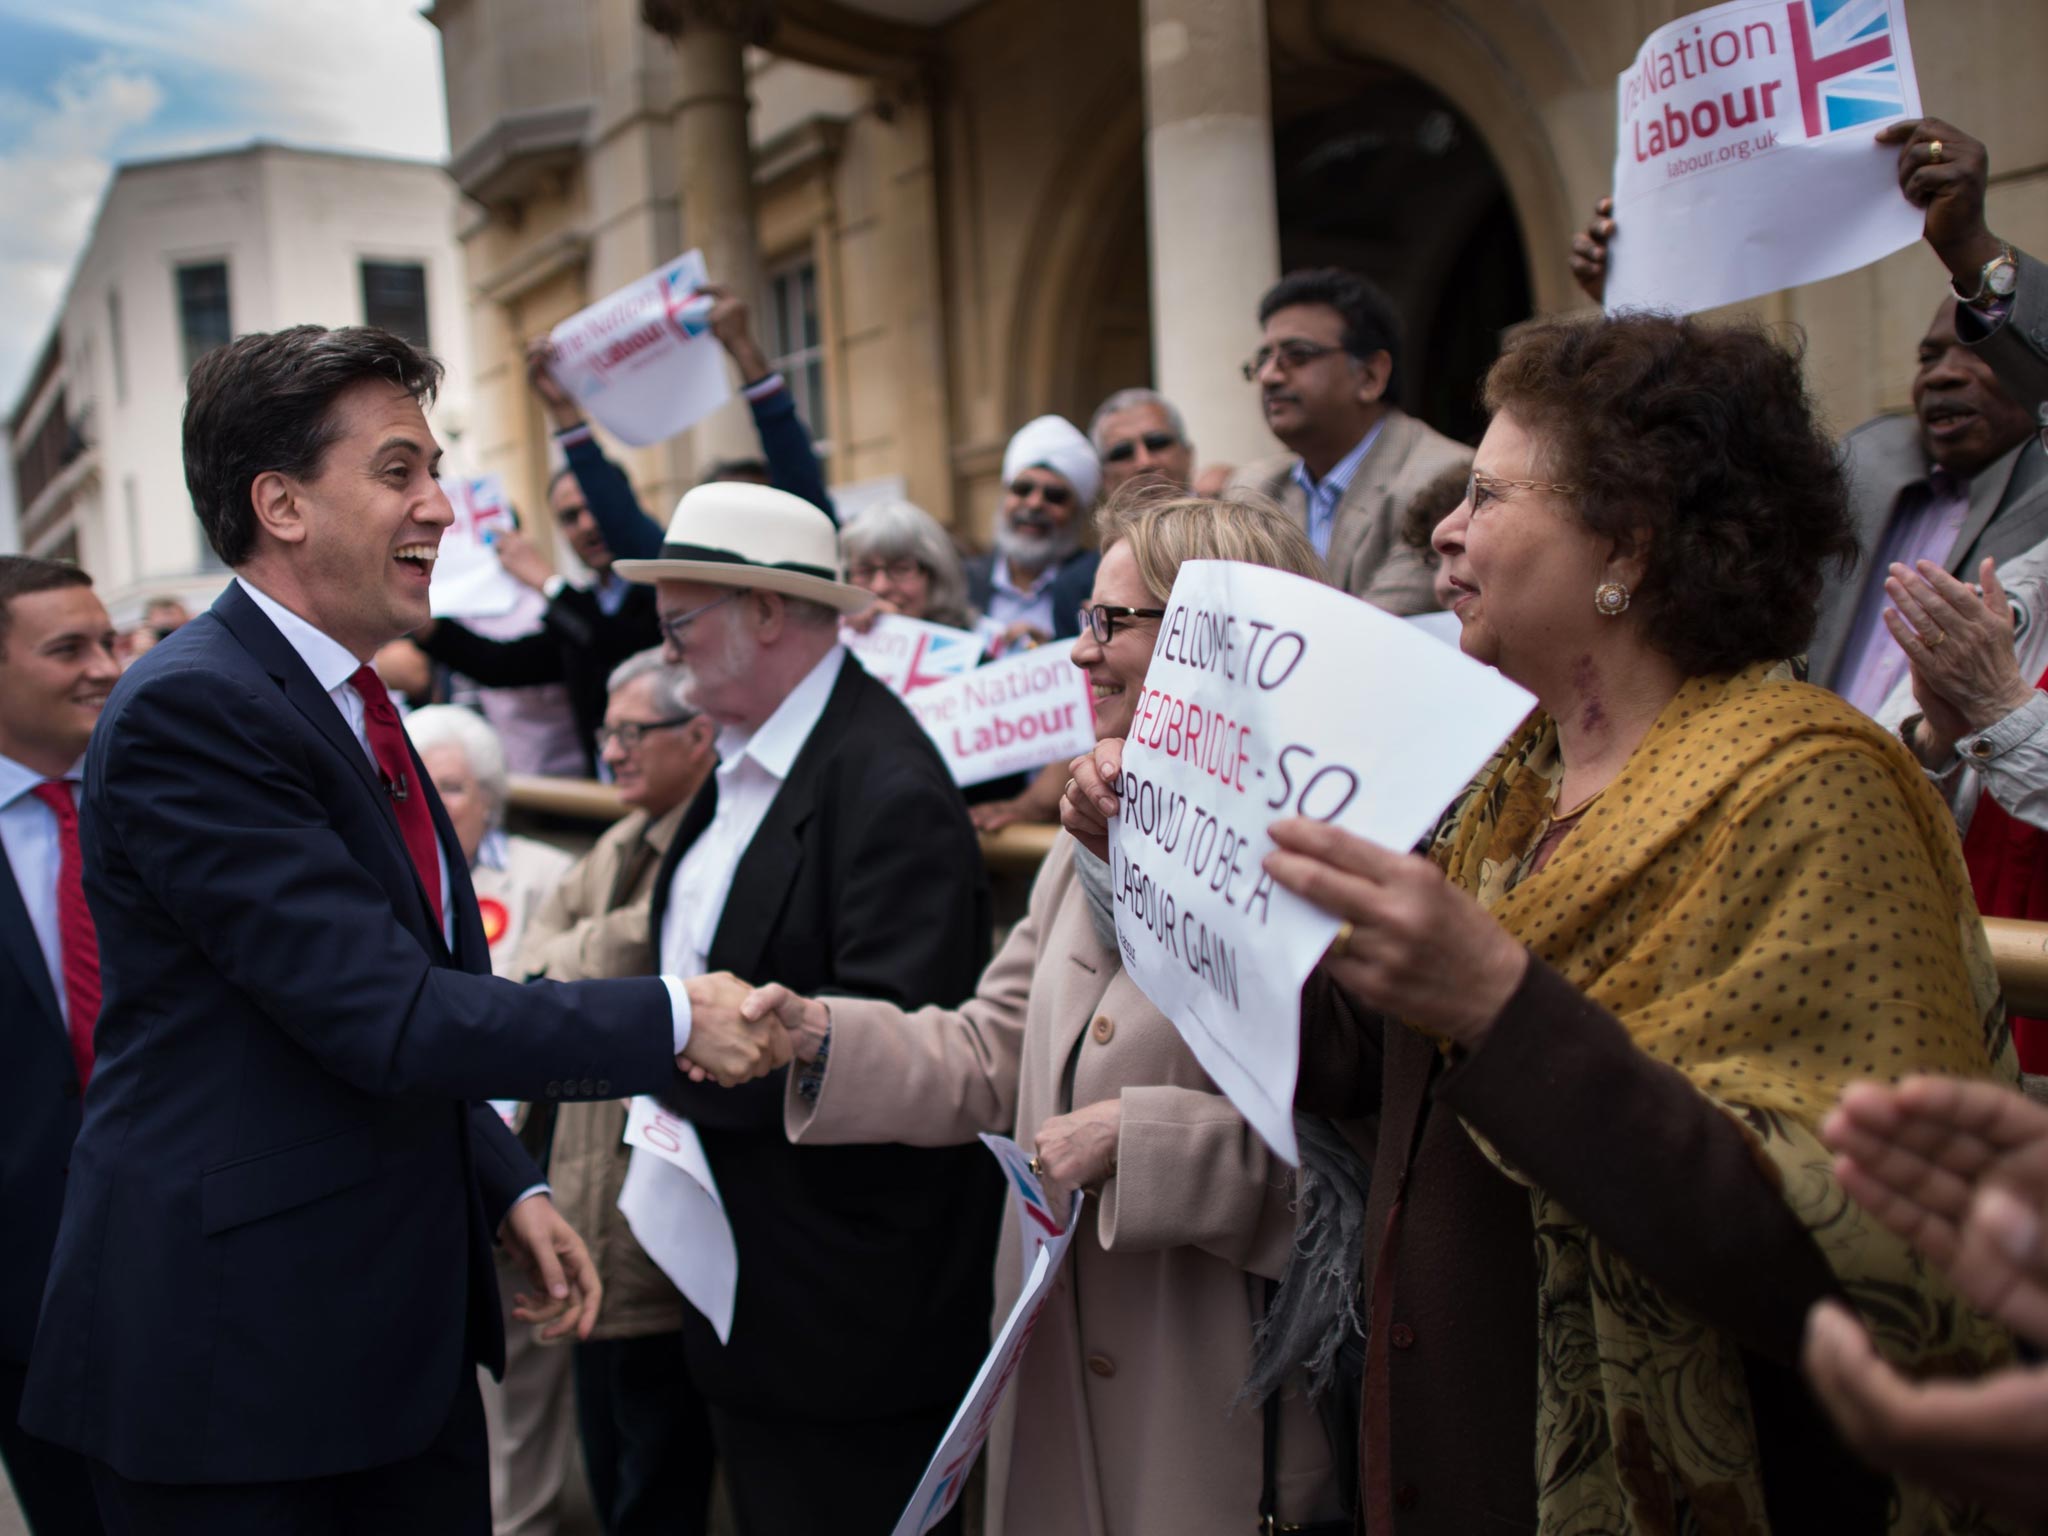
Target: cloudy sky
85	84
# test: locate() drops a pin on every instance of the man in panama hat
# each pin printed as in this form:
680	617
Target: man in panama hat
832	852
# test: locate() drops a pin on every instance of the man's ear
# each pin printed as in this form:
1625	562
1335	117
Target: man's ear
273	497
1374	373
770	614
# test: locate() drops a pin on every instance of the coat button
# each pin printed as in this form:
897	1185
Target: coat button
1102	1365
554	1090
604	1088
588	1087
1401	1336
1105	1029
1406	1496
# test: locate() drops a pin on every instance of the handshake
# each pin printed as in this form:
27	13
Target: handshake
739	1032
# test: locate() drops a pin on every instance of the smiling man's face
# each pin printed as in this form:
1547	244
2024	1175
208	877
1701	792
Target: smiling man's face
1966	418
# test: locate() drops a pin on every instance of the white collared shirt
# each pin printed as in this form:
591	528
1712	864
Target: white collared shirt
1008	602
332	665
751	772
28	831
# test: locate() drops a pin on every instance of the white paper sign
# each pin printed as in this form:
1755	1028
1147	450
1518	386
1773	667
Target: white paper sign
1036	1222
1746	160
908	654
468	581
1269	696
643	362
939	1490
671	1202
1010	716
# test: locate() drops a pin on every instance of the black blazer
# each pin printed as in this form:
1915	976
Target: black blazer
864	1281
274	1260
38	1119
578	643
1071	586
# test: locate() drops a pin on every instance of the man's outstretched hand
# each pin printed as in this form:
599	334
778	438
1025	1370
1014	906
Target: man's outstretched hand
725	1045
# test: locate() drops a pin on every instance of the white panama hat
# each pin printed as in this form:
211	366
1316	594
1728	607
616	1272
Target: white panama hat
733	534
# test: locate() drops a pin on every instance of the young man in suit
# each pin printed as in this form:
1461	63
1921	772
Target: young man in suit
829	849
57	665
272	1280
1326	371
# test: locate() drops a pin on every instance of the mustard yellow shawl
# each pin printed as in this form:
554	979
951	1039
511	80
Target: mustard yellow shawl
1771	899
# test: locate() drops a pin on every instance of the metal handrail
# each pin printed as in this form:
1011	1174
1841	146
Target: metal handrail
2020	949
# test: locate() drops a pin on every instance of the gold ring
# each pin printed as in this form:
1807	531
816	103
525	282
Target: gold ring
1036	1165
1341	944
1934	152
1939	636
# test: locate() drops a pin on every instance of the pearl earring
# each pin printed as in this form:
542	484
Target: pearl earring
1610	599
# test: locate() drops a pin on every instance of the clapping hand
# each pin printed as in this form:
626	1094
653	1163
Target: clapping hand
725	1045
1960	648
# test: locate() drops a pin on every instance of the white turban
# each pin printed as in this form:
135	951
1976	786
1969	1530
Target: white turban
1055	443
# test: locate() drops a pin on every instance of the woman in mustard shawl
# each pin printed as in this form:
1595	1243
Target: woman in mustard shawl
1687	903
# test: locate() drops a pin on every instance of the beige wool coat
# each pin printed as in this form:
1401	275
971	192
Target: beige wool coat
1367	556
1119	1421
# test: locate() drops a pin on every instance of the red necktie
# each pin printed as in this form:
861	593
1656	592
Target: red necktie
77	940
408	802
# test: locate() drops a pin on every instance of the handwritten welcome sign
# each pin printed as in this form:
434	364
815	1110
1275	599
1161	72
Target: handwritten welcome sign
1010	716
643	362
1745	160
1269	696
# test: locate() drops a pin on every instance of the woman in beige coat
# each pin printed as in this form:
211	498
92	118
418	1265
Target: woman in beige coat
1123	1417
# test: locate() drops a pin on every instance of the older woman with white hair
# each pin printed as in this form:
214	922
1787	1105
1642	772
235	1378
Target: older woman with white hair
898	551
530	1413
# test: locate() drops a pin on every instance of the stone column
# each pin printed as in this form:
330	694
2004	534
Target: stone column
715	170
1214	219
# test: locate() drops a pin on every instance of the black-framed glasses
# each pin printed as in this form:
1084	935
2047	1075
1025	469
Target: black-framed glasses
1289	354
1051	495
672	629
1101	619
861	572
1155	443
633	732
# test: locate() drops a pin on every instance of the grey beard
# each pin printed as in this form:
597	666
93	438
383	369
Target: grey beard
1034	551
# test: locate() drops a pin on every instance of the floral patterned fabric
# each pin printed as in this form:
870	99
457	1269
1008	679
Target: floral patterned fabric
1771	899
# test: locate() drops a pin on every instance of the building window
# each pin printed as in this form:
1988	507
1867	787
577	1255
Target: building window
395	298
203	309
795	345
117	346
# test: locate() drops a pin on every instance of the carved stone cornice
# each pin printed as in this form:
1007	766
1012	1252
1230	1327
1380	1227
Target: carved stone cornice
751	21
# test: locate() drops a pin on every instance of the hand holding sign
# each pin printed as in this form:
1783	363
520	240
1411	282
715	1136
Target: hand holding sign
1078	1151
643	360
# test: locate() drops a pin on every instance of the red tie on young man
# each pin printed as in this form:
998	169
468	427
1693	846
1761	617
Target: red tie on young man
387	743
77	940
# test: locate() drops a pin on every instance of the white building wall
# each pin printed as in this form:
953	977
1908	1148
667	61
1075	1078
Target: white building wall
293	227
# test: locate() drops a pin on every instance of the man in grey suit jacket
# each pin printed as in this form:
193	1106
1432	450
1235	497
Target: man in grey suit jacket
1325	370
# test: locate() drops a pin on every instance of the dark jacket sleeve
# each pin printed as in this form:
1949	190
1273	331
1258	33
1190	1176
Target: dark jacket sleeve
520	663
786	445
1342	1052
628	531
1644	1159
504	1172
2017	346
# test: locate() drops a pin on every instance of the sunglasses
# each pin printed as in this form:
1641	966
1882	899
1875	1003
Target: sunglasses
1100	619
633	732
1155	443
1051	495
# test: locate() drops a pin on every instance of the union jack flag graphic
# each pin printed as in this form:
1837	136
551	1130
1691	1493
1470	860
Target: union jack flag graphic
1842	59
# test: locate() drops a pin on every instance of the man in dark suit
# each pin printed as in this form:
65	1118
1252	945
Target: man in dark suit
272	1280
57	665
830	851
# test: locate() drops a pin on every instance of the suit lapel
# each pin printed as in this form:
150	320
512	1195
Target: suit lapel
1367	489
18	943
1987	493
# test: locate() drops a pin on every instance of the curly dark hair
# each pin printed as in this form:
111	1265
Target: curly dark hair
264	401
1701	442
1370	321
1430	506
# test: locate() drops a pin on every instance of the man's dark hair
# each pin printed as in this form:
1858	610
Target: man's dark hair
737	469
22	574
1370	323
265	401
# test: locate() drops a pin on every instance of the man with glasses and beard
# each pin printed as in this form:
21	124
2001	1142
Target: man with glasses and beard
1030	589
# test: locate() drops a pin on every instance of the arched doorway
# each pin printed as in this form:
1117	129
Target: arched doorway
1378	172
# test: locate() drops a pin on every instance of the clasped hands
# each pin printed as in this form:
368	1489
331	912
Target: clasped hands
729	1045
1414	946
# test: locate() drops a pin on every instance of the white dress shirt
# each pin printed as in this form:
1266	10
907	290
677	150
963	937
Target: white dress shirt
28	831
1009	603
751	771
332	665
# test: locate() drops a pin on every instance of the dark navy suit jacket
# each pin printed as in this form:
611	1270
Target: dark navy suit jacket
38	1119
274	1259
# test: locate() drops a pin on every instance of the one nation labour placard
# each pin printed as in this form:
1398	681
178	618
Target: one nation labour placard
1271	696
908	654
643	363
1746	160
1011	716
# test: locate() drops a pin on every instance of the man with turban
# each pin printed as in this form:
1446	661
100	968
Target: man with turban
1030	590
